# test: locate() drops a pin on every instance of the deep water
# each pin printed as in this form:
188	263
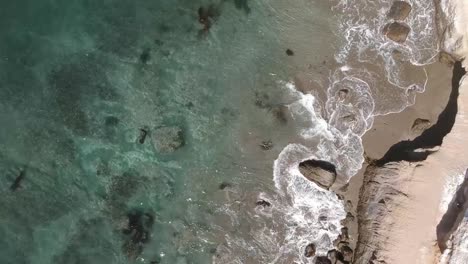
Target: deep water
84	87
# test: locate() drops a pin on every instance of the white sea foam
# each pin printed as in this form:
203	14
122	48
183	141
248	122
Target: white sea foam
305	204
334	135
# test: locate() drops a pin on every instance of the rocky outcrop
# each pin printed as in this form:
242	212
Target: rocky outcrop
458	243
452	231
321	172
398	198
380	195
167	139
399	10
310	250
419	126
137	232
396	31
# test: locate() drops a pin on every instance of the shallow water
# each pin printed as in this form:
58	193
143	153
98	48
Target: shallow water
80	79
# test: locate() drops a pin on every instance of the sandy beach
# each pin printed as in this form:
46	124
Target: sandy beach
400	205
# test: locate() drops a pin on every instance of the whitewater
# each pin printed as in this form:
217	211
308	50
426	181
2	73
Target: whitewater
334	130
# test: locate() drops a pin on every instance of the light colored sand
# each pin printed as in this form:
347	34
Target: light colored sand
392	128
411	228
419	216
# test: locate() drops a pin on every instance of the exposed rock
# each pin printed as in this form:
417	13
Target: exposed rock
399	10
347	253
419	126
343	94
344	262
344	234
396	31
446	58
373	217
456	251
321	172
167	139
348	205
453	225
349	218
397	197
310	250
322	260
143	133
17	182
342	244
334	255
263	203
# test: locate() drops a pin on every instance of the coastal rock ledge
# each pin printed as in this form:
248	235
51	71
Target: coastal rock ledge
323	173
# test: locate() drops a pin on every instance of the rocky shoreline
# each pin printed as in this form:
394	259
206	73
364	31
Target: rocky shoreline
399	215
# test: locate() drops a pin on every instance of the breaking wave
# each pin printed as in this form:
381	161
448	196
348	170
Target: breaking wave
355	95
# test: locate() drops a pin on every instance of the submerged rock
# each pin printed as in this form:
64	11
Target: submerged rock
323	173
310	250
396	31
266	144
224	185
289	52
167	139
17	182
145	56
137	232
399	10
143	133
280	113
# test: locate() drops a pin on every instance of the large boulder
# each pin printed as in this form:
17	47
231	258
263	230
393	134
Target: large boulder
399	10
310	250
396	31
419	126
167	139
323	173
347	253
322	260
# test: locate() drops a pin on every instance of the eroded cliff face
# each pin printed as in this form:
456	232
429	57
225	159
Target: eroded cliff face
380	198
452	16
400	201
452	231
402	213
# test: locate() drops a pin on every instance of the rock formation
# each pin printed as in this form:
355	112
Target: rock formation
398	197
419	126
309	250
321	172
399	10
396	31
167	139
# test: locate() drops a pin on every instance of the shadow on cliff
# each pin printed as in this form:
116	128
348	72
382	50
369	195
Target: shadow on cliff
419	148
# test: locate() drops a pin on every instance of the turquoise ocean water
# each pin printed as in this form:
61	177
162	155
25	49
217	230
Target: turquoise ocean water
169	131
79	82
